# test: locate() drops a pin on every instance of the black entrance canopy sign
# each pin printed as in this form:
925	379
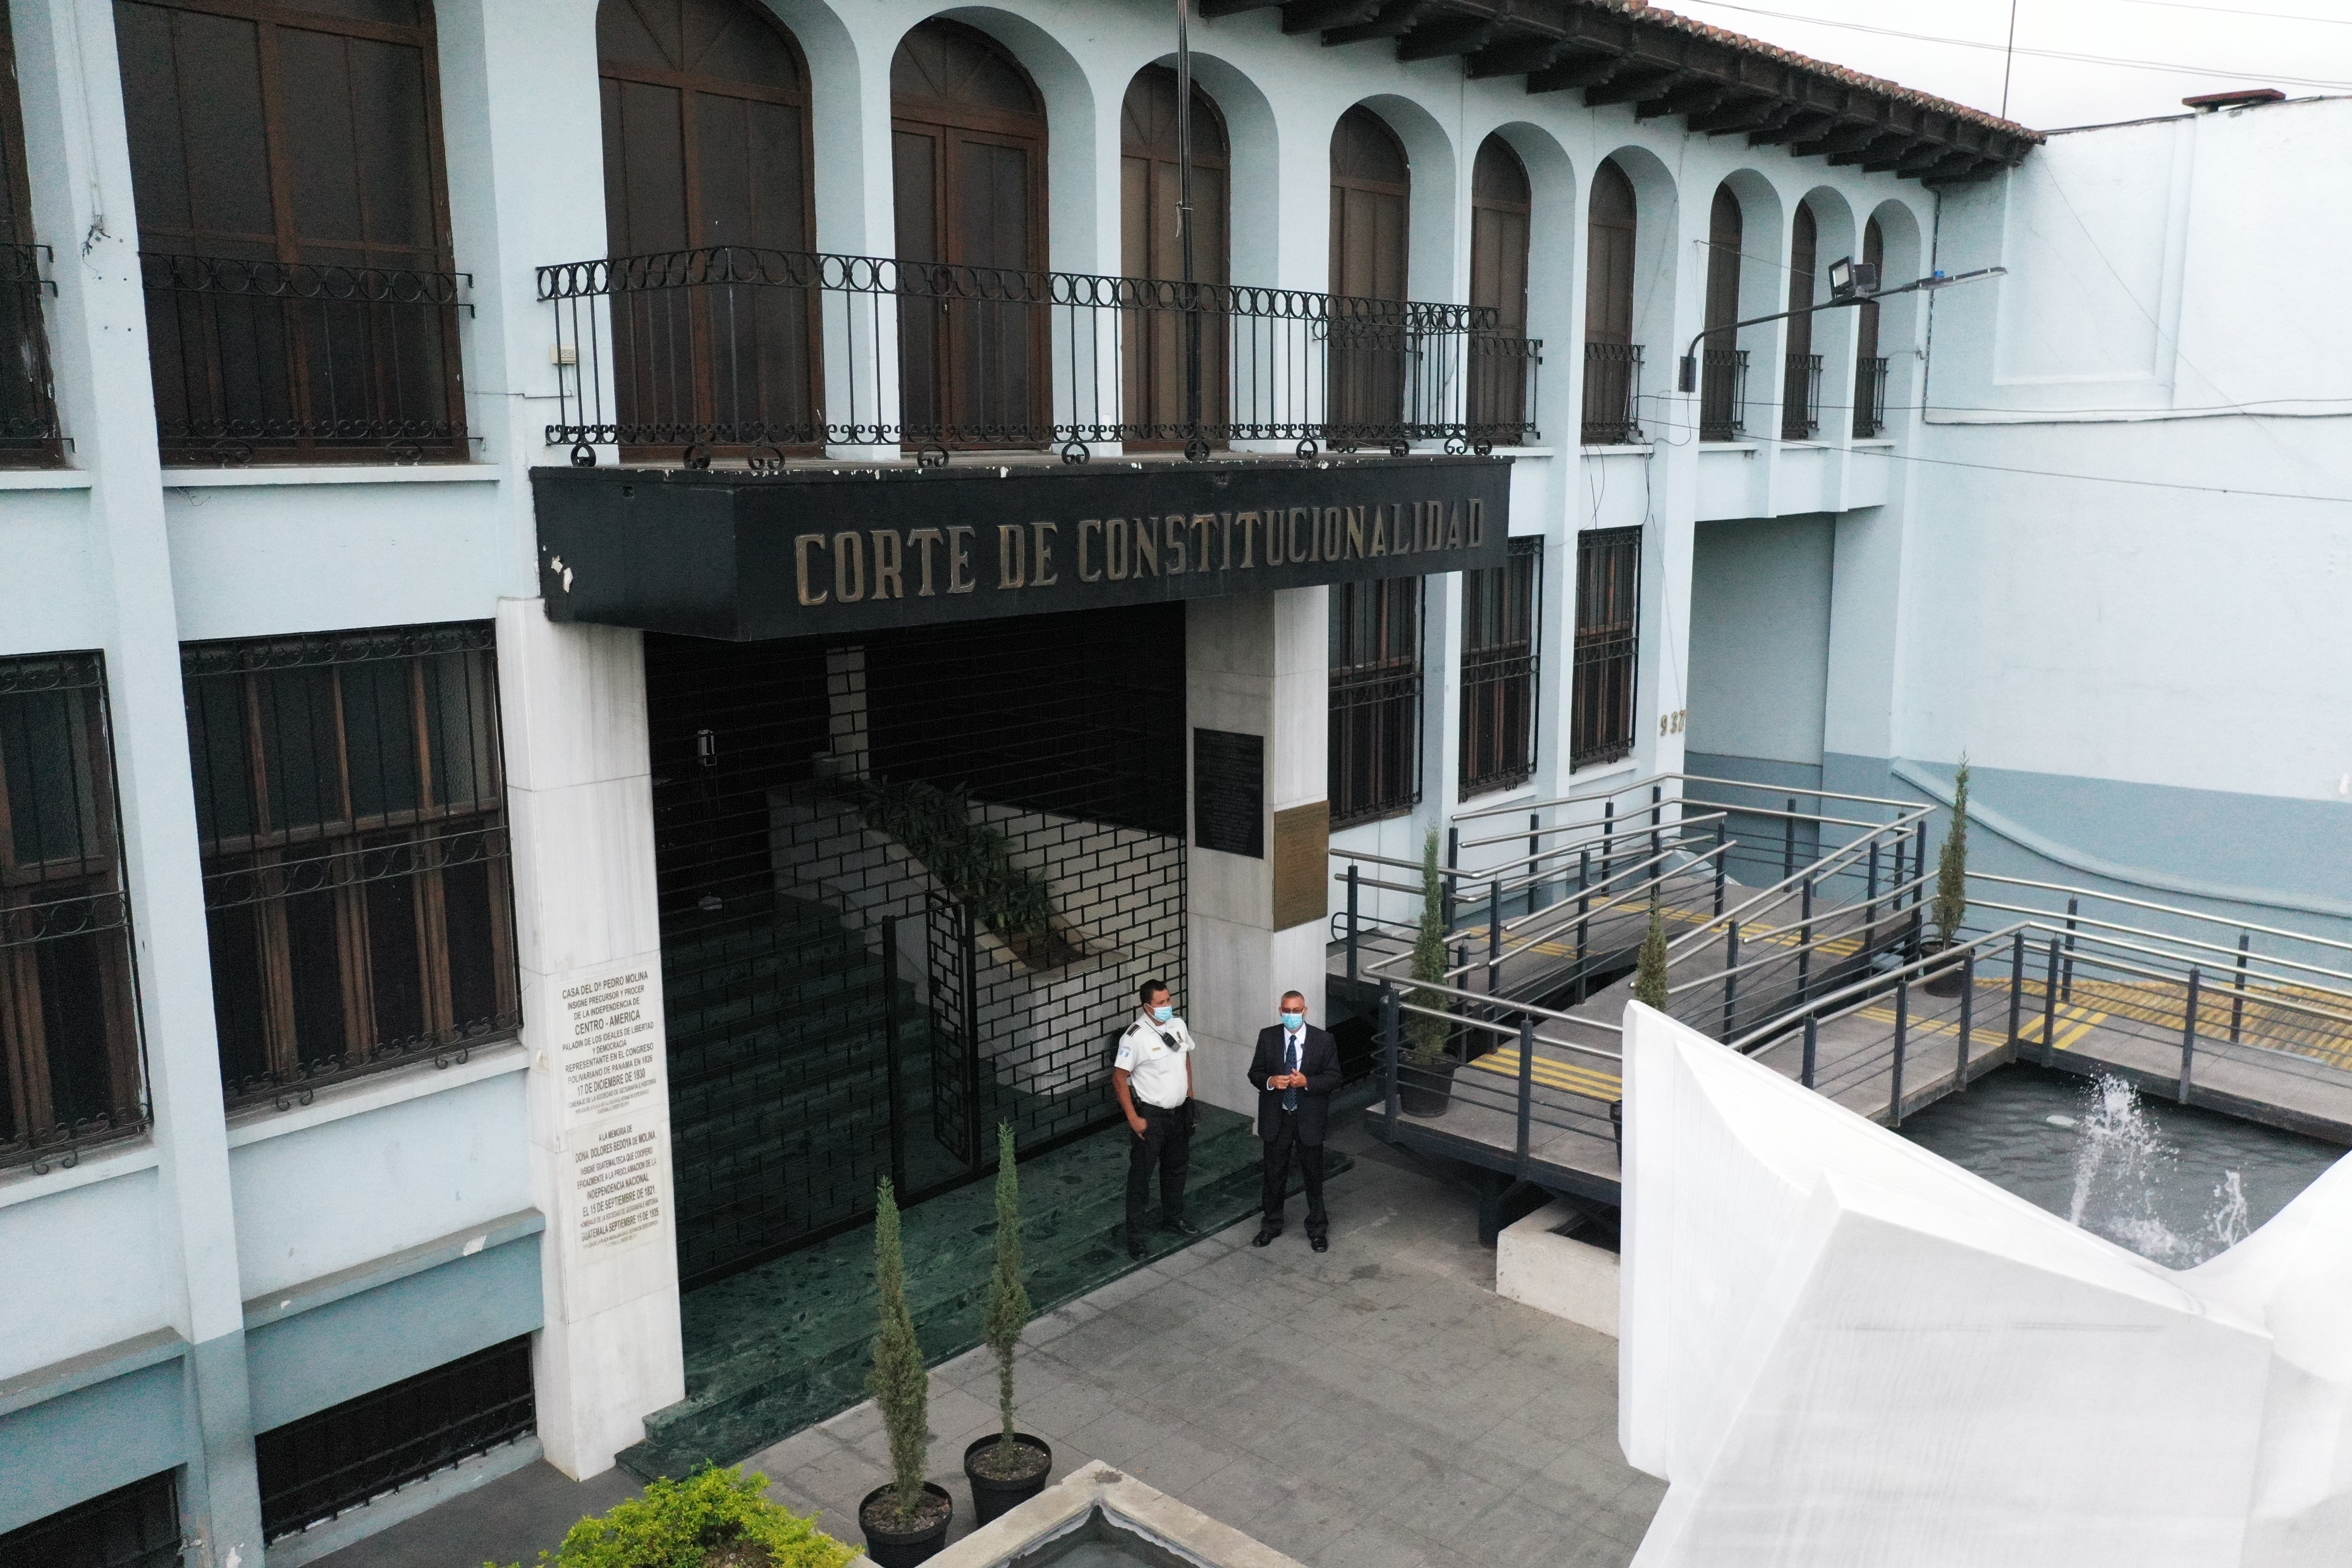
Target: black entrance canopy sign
749	556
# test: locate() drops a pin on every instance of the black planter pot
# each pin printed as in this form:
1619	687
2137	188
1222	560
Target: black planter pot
990	1496
1945	975
904	1549
1425	1091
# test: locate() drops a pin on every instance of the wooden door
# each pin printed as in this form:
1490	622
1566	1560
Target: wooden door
968	150
1501	207
1150	247
1722	374
1371	200
1609	353
1798	383
706	153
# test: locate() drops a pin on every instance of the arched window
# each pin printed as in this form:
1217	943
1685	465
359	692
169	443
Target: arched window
293	226
1371	199
1612	362
1801	382
967	152
1500	207
28	414
1151	246
1870	366
706	144
1722	390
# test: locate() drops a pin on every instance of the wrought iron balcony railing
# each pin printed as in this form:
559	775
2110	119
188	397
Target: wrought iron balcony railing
1869	398
303	361
1722	393
1801	397
28	403
1612	391
736	350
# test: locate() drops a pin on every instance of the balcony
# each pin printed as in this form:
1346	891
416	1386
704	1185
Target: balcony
28	405
298	362
1612	391
1801	397
1722	393
768	355
1869	398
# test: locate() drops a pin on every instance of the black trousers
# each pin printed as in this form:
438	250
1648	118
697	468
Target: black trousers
1166	1143
1271	1192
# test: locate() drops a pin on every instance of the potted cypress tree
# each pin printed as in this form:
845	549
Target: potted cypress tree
1951	906
1649	972
905	1522
1009	1468
1425	1068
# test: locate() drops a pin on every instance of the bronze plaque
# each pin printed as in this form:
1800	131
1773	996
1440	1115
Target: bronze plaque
1302	876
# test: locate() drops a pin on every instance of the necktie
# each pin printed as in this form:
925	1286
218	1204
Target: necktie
1290	1065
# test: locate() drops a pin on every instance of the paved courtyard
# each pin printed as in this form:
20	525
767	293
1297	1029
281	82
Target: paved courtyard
1374	1407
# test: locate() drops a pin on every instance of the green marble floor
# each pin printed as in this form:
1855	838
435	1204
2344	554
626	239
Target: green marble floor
775	1349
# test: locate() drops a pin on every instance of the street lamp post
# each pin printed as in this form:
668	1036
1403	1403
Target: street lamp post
1852	282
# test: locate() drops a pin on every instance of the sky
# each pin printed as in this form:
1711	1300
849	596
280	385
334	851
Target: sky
2070	66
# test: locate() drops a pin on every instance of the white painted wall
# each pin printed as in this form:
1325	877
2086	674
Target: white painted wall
1759	638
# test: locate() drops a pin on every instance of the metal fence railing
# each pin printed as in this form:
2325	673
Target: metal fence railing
28	403
1870	397
1801	397
738	349
1612	391
1722	393
298	360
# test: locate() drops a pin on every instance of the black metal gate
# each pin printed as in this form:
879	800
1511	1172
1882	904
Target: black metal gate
907	887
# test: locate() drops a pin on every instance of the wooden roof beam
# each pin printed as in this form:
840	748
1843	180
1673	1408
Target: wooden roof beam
1640	81
1437	40
1320	15
1691	96
1576	70
1394	19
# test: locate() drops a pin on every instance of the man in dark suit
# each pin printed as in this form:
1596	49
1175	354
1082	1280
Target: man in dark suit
1294	1070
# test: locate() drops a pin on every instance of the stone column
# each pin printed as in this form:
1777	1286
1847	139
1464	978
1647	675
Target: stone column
588	940
1258	665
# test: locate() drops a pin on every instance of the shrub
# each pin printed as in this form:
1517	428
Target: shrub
899	1384
1425	1037
1650	975
972	861
678	1524
1951	906
1008	1298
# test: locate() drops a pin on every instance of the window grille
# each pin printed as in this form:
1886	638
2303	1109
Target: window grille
351	814
137	1526
1375	728
1608	612
1499	611
348	1454
69	1022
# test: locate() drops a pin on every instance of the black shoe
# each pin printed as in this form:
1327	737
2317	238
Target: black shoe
1264	1235
1135	1248
1320	1243
1180	1226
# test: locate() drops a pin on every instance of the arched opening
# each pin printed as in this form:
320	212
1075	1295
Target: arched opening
1612	360
1869	364
1502	206
1801	381
287	166
1723	364
28	414
1371	199
1151	246
968	156
706	146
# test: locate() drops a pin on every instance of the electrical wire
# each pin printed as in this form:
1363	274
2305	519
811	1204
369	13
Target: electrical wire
2043	54
2226	11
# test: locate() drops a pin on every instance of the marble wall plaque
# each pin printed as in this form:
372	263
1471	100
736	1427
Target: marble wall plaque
1229	792
1302	842
610	1049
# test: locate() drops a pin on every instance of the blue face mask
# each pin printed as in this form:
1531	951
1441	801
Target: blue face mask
1162	1013
1293	1020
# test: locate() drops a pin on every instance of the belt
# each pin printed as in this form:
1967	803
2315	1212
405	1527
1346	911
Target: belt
1147	1108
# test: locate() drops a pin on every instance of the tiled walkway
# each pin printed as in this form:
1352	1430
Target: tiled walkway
1373	1406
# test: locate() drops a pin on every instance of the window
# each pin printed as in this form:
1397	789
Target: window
1608	610
1723	364
352	815
1499	607
314	1468
137	1526
1870	366
293	219
1375	735
706	144
1371	199
967	153
1501	205
1801	382
69	1028
1613	361
1151	246
28	409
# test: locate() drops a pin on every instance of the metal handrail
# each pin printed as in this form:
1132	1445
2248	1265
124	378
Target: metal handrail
1855	849
1905	807
2161	909
1863	989
2231	953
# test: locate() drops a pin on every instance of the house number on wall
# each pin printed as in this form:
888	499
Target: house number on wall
1672	723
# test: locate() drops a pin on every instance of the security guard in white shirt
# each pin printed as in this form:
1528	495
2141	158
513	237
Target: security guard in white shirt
1153	1079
